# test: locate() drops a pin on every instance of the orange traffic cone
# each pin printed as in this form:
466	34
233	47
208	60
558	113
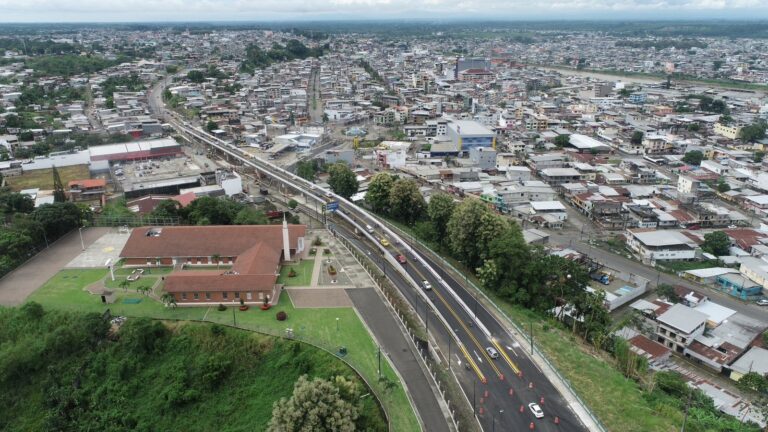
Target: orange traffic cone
530	385
522	408
511	392
481	410
532	427
541	401
485	394
557	420
482	399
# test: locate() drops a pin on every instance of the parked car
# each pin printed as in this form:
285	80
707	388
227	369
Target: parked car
762	302
536	410
401	259
492	353
426	285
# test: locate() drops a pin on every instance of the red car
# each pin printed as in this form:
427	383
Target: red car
401	259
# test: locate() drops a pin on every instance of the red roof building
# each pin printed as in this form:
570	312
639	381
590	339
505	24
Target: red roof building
250	257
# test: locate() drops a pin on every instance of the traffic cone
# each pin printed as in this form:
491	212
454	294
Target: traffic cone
530	385
522	408
557	420
532	426
481	410
541	402
482	399
520	374
485	394
511	392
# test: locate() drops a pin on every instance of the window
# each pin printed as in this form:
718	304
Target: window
237	295
225	295
261	295
183	296
249	295
197	296
207	296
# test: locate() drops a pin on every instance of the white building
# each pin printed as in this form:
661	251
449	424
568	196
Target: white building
678	326
652	245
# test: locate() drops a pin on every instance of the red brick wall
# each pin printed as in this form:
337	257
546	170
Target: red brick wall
218	297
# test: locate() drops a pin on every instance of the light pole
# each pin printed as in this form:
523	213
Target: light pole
493	425
337	324
82	244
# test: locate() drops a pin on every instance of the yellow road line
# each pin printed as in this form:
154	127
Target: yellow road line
472	363
512	364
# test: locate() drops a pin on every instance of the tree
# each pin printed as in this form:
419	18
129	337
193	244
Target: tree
693	157
637	138
753	132
377	196
307	169
250	216
753	381
317	405
758	157
667	291
723	186
717	243
216	258
471	229
406	203
211	126
342	180
58	219
439	210
562	140
196	76
167	209
292	204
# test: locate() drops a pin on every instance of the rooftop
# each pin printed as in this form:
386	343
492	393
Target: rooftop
682	318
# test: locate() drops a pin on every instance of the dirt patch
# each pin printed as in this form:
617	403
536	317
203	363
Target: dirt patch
43	178
319	298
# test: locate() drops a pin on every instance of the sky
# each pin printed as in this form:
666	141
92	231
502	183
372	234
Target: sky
306	10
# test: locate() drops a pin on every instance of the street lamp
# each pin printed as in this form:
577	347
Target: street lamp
337	324
493	425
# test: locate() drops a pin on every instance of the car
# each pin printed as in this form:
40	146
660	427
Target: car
369	229
492	353
732	227
384	242
426	285
401	259
762	302
536	410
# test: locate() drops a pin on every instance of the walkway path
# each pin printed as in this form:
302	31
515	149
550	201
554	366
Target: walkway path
17	285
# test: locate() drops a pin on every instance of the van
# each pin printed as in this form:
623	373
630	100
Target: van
369	229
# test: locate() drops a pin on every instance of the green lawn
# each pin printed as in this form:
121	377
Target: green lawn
678	266
317	326
303	274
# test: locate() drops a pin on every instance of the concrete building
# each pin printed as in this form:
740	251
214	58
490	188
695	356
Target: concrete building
652	245
678	326
466	134
727	131
483	157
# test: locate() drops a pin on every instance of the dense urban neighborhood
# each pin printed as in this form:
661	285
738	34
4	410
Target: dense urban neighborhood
447	227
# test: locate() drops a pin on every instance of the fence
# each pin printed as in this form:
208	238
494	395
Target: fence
133	221
514	324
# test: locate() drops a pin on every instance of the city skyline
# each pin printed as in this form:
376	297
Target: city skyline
301	10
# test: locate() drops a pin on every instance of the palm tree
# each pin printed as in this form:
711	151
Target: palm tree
124	284
216	258
168	300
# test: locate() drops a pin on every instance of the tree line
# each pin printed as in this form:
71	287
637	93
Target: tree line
28	229
258	58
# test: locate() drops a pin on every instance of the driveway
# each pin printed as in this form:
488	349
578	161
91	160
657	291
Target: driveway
17	285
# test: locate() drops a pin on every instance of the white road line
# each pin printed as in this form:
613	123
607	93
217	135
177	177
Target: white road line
478	357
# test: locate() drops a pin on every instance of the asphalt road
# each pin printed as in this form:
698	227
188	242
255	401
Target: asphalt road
395	346
506	392
615	261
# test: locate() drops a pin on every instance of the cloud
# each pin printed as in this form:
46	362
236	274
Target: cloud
261	10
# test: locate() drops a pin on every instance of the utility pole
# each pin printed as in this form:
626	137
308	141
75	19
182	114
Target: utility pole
531	337
687	406
234	318
379	358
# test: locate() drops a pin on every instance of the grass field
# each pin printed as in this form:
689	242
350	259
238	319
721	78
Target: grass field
317	326
303	274
43	178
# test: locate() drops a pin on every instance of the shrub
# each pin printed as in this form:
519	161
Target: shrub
331	270
291	272
317	241
281	316
221	308
313	251
326	251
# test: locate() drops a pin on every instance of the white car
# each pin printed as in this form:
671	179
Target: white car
427	286
762	302
492	353
536	410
